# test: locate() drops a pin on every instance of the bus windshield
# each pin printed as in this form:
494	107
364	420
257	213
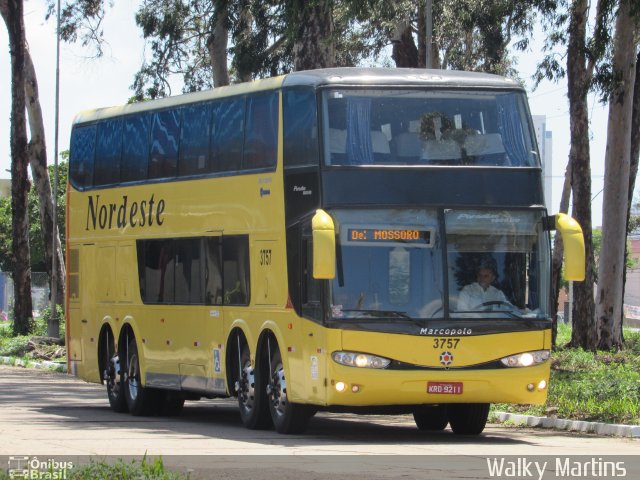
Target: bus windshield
393	265
426	127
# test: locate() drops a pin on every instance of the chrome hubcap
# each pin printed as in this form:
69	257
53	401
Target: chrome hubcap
133	377
246	390
278	390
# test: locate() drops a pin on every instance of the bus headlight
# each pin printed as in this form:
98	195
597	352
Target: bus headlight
526	359
361	360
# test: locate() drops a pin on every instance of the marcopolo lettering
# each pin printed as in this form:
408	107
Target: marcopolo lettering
124	213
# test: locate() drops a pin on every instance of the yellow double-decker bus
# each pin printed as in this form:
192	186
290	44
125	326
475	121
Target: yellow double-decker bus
340	239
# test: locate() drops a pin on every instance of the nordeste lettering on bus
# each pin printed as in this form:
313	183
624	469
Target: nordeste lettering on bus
123	214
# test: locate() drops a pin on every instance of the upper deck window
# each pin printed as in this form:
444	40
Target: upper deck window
230	136
83	150
261	138
418	127
300	127
135	148
194	143
108	152
165	136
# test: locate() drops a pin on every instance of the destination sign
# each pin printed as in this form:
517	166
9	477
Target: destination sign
400	235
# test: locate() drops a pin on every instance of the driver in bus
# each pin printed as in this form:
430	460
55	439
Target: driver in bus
481	293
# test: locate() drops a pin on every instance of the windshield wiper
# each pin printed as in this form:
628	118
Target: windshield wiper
511	313
380	313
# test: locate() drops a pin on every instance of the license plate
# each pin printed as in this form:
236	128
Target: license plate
445	388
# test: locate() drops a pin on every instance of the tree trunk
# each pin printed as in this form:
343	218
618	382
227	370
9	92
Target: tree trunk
23	320
314	46
405	52
633	169
616	183
38	161
584	333
422	36
558	251
217	45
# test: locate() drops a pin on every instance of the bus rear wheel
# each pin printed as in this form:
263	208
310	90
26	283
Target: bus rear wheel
468	418
288	417
139	399
251	395
431	418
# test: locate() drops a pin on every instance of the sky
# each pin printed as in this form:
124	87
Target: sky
87	83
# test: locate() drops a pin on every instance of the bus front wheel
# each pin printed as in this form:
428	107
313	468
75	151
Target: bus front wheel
468	418
288	417
432	418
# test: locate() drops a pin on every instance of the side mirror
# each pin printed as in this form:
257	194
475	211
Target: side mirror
573	239
324	246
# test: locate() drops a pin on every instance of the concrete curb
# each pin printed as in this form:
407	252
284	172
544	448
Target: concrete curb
598	428
43	364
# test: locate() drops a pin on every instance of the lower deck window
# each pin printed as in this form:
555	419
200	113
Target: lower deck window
194	271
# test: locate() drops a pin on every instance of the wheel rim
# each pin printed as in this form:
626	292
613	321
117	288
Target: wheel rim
278	390
246	393
113	377
133	377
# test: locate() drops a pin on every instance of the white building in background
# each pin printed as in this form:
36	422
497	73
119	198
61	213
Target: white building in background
545	144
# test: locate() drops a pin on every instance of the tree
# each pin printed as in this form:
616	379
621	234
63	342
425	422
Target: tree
36	150
41	176
583	333
616	181
567	27
313	42
558	251
12	13
39	260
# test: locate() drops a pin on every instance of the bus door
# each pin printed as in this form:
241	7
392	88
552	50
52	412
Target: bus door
82	276
214	313
198	280
314	336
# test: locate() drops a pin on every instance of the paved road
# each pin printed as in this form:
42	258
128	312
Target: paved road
46	414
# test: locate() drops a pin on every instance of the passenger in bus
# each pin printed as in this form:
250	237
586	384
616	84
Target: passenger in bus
481	293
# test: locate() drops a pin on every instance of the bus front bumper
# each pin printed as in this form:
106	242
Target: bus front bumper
351	386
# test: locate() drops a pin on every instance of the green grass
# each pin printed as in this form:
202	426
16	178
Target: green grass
133	470
601	387
13	346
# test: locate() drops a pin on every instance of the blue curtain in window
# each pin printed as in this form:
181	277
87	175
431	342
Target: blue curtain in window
359	148
510	127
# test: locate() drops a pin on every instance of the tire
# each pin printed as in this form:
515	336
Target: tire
433	418
252	398
288	417
112	374
140	400
468	418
